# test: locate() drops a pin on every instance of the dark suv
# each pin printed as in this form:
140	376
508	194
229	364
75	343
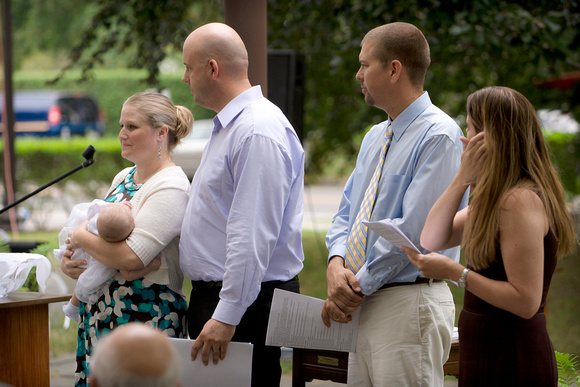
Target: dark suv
56	113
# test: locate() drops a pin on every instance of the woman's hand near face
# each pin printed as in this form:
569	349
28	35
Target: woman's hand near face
473	157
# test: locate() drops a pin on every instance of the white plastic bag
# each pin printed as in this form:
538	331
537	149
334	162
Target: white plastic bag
15	267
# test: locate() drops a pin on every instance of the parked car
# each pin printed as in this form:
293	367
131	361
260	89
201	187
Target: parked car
56	113
188	153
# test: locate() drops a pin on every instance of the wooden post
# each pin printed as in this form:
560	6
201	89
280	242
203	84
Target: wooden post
8	114
249	19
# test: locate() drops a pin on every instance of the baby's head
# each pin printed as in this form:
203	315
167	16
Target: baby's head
115	222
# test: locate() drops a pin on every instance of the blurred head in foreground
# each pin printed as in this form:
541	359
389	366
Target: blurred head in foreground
134	355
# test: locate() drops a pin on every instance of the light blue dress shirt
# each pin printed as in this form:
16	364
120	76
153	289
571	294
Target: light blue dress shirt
422	160
243	222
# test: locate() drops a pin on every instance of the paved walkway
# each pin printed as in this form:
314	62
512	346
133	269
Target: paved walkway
62	375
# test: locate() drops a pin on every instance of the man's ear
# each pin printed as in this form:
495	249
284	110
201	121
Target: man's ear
395	70
213	68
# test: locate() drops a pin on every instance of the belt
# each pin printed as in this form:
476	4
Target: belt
419	280
205	285
200	285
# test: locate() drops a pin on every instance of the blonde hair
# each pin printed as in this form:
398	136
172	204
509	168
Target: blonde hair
159	110
517	156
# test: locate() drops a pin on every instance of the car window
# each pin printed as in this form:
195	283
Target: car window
76	110
88	109
68	110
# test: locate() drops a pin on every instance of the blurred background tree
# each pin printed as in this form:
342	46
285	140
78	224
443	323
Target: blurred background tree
473	44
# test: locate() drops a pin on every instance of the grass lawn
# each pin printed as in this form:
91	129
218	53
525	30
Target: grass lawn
563	300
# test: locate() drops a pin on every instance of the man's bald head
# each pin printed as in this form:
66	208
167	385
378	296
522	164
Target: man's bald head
134	354
220	42
216	65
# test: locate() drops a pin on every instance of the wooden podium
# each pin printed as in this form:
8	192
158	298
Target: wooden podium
24	338
309	364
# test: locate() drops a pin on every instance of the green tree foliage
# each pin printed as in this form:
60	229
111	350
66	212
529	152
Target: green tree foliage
47	26
473	44
145	28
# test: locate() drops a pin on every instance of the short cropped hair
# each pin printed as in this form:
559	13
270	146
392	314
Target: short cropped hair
403	42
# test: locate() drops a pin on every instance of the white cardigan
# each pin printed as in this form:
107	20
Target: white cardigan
158	208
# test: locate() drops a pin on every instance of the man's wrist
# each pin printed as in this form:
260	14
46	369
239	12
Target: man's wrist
336	260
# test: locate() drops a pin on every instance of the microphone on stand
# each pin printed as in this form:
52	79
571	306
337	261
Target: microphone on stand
87	154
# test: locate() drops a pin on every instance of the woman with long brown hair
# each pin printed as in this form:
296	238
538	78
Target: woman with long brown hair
515	227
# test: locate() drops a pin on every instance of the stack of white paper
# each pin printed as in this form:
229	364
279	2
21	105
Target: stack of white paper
295	322
234	370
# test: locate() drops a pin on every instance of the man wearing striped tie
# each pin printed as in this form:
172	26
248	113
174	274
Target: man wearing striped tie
404	164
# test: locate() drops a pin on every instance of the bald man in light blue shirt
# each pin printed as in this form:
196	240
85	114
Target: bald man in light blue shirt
241	236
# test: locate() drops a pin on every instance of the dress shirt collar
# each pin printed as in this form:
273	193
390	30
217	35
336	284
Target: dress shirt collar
236	105
403	120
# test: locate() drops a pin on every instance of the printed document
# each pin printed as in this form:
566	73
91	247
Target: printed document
389	230
234	370
295	322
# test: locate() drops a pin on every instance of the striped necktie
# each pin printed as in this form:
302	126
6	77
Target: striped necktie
357	239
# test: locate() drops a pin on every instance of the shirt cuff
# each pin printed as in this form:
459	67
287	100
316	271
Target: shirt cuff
368	284
228	313
336	250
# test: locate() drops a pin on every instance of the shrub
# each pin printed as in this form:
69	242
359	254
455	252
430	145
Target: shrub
565	152
39	161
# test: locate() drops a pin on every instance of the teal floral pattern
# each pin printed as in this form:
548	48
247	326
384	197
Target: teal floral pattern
125	190
127	301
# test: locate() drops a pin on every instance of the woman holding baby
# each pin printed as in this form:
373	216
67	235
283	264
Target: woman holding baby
151	127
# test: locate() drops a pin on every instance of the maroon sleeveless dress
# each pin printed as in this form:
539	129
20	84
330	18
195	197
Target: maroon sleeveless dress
498	348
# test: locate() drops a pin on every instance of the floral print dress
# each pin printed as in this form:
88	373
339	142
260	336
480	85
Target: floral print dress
127	301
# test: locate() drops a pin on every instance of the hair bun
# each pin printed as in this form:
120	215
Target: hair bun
184	122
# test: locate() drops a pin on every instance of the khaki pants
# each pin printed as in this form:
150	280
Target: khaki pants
404	337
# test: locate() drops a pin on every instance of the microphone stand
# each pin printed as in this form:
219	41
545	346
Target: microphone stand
87	154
